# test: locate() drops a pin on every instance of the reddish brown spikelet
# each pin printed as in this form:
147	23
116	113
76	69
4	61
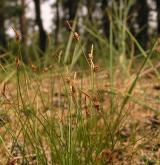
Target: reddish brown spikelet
76	36
11	162
47	68
34	68
73	89
86	107
18	36
18	62
4	90
96	103
68	25
95	68
68	79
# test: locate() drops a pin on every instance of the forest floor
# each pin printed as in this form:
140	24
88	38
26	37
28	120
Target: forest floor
139	138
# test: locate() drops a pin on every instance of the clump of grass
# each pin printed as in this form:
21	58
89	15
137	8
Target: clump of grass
87	125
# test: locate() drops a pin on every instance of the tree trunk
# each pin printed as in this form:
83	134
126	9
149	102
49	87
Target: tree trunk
2	27
158	17
23	28
57	23
72	7
105	18
42	33
23	22
143	12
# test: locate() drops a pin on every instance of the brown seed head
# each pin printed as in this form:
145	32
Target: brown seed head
95	68
68	25
96	103
68	79
34	68
18	62
45	69
17	34
76	36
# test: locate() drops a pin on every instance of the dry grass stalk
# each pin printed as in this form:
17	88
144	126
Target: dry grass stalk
93	67
4	90
90	55
86	107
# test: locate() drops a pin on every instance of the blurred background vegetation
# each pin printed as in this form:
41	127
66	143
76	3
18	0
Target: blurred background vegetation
96	21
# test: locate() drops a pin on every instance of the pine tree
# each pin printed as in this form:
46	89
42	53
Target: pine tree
158	11
2	25
105	18
42	32
142	20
